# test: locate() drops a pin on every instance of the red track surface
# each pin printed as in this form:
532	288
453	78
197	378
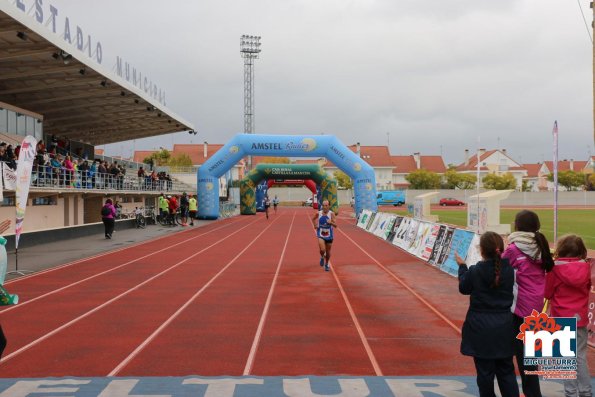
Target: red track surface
241	296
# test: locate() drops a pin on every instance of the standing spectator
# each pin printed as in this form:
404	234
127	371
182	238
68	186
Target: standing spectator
108	216
193	208
173	209
68	171
488	328
102	175
568	287
40	148
529	255
184	208
163	206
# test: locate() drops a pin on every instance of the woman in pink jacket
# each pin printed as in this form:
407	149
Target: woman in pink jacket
567	287
529	254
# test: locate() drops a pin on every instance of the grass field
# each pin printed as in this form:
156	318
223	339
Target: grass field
577	221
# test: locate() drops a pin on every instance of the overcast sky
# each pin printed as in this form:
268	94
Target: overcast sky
428	76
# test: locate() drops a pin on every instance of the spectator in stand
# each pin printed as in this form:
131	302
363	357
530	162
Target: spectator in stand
121	176
141	178
108	216
114	172
83	169
101	177
54	144
154	180
92	174
193	208
40	148
56	164
68	166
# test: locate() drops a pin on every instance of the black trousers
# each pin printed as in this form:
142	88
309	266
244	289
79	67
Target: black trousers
530	382
503	369
2	341
108	224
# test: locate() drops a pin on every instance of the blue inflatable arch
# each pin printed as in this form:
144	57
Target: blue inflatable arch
362	174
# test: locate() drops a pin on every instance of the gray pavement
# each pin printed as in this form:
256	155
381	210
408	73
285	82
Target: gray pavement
48	255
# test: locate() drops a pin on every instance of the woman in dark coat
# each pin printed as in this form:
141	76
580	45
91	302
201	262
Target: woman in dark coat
488	331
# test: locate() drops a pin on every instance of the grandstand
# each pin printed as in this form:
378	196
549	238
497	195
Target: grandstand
58	91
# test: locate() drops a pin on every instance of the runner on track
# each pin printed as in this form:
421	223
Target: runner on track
267	205
324	221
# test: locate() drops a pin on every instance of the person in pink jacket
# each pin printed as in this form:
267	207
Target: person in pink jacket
529	255
568	287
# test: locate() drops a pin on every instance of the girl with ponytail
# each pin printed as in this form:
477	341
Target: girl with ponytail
529	255
488	329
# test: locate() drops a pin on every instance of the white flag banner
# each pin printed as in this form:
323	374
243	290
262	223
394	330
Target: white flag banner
9	177
24	168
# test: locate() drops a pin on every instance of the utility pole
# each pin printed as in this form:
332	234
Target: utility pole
249	49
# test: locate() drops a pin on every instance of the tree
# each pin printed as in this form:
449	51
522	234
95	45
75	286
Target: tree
525	187
159	158
275	160
181	160
504	182
569	179
456	180
343	180
591	182
422	179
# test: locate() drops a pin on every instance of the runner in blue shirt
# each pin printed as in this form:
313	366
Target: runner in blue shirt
324	221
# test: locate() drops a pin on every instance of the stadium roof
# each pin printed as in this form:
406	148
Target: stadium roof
79	98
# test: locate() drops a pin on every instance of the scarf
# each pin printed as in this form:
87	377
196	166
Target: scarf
525	241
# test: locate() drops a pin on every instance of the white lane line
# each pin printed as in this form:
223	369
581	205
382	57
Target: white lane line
358	327
87	314
21	304
151	337
418	296
265	312
134	245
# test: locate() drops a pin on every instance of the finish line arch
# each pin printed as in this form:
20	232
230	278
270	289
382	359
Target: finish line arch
362	174
328	186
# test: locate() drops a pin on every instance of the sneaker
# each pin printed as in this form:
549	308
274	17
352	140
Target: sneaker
109	236
321	261
326	267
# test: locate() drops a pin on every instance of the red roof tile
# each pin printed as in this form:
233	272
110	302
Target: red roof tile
376	156
433	163
532	169
473	161
403	164
196	151
564	165
140	155
99	152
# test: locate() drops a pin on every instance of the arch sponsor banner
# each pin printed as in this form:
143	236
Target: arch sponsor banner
362	174
461	240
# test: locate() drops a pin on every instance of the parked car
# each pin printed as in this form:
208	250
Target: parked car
308	202
450	201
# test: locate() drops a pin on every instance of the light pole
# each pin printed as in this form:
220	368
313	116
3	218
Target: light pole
249	49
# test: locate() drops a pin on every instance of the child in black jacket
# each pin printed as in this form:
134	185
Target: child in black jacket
488	331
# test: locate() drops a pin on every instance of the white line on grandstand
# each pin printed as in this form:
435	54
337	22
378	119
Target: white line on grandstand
418	296
87	314
265	311
21	304
134	245
151	337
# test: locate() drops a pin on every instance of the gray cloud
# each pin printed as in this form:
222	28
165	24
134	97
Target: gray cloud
434	74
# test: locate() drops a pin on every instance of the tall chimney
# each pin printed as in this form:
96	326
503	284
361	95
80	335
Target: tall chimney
481	152
504	151
571	164
205	149
466	156
357	149
416	157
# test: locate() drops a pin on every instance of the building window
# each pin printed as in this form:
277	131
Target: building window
46	200
8	202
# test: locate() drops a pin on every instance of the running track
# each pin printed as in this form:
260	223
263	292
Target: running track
242	296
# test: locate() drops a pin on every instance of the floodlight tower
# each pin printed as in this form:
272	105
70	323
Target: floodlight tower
249	48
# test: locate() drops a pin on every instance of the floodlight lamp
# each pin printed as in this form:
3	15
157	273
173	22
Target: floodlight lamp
103	83
136	101
122	93
82	71
22	35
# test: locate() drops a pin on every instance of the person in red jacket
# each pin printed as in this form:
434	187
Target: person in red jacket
173	208
567	287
